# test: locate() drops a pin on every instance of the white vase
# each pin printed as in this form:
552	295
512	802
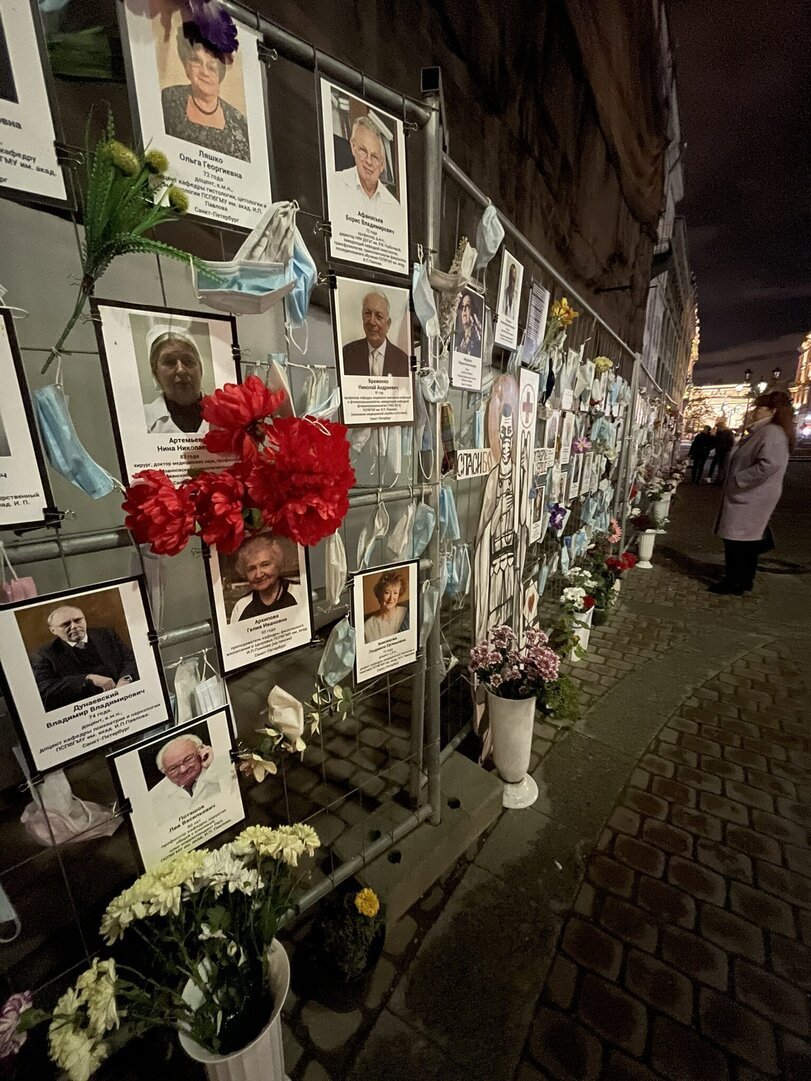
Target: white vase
263	1058
645	542
511	725
582	633
658	509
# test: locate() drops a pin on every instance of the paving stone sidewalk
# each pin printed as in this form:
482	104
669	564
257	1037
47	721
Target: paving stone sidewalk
650	916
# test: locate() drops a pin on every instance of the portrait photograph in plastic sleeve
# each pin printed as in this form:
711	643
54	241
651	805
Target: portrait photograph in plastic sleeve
385	617
81	670
468	338
260	596
181	787
158	363
373	352
365	179
24	489
29	169
204	108
509	301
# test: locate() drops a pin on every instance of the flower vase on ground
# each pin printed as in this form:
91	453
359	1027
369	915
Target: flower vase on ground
658	509
582	632
263	1058
600	616
645	542
512	723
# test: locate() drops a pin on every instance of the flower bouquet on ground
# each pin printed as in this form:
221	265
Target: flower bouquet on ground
642	523
202	919
292	477
343	947
508	671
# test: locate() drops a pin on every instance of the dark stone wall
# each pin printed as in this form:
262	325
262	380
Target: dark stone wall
522	119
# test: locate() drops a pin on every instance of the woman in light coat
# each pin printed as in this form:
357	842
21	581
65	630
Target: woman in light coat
752	490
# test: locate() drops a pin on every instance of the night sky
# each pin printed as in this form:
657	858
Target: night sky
743	84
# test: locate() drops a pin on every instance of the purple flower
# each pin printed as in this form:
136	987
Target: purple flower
212	24
557	513
580	445
10	1039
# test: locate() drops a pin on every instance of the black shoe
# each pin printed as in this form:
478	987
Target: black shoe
726	587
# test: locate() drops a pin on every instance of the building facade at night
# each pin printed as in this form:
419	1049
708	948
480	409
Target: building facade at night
708	404
801	388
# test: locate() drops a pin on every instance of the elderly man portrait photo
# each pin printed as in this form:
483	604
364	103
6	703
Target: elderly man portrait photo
81	662
374	354
191	777
260	562
361	184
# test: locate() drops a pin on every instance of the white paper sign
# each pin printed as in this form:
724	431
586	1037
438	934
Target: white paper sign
385	616
80	670
509	301
28	161
205	112
473	463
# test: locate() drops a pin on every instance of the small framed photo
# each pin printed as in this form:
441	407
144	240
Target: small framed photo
468	337
373	347
566	437
25	491
81	670
540	513
575	476
365	179
509	301
205	110
384	603
157	364
181	785
260	597
30	169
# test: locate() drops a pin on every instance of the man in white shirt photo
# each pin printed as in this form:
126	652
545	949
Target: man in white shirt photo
360	186
190	777
374	354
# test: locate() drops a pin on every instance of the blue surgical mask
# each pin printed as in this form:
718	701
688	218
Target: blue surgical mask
65	453
430	604
489	235
398	545
448	518
542	579
478	427
565	558
424	303
459	573
375	527
339	653
305	275
422	529
261	273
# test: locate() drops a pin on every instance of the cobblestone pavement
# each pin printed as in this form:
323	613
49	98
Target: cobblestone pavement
650	916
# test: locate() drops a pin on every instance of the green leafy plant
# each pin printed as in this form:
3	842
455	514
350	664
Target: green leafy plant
561	700
123	195
338	698
344	931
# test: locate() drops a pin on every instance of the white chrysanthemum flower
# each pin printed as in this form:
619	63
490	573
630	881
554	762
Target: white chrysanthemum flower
206	933
77	1054
308	837
573	595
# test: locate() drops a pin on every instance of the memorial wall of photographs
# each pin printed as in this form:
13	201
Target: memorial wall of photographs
526	437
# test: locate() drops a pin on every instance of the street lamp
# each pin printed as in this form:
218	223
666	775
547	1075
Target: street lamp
776	374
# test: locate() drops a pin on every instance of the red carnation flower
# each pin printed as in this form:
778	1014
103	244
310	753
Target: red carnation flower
588	602
615	564
629	561
220	501
238	417
301	485
158	513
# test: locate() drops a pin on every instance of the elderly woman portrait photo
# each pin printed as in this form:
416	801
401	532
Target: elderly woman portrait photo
392	613
177	371
196	110
260	562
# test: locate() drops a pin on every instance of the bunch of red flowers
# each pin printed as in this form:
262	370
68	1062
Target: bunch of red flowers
626	562
292	476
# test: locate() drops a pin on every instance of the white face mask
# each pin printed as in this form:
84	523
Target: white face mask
187	676
210	693
375	527
430	604
398	545
424	303
154	569
335	569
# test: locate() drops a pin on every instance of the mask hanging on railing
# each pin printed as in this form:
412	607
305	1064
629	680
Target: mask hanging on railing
14	588
187	677
489	235
424	302
430	605
339	653
374	528
398	545
335	569
62	446
210	693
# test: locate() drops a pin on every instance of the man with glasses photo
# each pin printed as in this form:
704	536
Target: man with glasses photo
190	778
361	184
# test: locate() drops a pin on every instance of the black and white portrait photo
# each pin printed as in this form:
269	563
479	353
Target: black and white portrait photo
509	301
29	162
364	162
373	332
468	339
81	670
205	110
166	360
261	600
385	617
182	787
24	488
